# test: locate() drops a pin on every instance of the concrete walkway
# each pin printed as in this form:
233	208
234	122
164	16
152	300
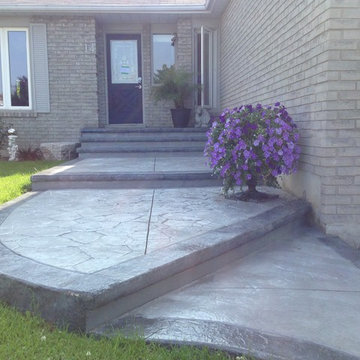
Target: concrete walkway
89	256
298	298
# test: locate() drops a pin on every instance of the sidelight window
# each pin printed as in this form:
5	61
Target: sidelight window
163	51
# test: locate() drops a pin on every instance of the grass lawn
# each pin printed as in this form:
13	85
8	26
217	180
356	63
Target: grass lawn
15	176
28	337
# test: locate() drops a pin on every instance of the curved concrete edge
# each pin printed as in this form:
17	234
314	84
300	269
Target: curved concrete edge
7	208
82	300
118	176
222	336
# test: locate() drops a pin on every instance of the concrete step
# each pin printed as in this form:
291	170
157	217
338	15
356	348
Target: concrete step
141	147
102	155
106	180
118	140
142	137
138	129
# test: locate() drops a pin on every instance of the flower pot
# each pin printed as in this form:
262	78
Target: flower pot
180	117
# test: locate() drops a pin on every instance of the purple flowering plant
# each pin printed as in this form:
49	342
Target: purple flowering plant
248	144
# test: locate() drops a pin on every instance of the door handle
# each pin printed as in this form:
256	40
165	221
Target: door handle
139	84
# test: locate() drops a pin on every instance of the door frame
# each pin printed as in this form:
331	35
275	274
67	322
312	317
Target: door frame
136	31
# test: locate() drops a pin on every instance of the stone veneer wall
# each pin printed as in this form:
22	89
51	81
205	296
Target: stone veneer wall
306	55
73	84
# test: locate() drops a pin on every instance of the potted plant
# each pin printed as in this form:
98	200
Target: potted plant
174	85
251	144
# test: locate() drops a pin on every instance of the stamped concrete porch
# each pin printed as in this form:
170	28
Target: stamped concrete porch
91	230
124	171
117	258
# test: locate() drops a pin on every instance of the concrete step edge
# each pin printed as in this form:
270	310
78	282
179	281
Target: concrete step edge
149	149
218	335
165	175
123	130
140	144
121	139
90	300
120	154
193	259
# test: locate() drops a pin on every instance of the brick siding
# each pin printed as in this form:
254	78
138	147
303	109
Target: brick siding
73	89
306	55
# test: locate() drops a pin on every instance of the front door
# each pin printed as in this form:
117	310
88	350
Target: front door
124	79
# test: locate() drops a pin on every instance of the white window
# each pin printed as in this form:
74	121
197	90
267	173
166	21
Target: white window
163	51
15	87
206	67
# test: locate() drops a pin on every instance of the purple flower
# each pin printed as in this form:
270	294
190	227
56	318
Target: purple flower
252	139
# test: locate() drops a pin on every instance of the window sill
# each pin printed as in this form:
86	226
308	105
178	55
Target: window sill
18	113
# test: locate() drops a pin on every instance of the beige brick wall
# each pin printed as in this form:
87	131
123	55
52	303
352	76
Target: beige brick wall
72	78
101	74
306	55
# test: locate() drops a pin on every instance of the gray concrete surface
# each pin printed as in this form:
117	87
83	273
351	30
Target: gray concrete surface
151	171
90	230
85	294
147	163
86	257
294	299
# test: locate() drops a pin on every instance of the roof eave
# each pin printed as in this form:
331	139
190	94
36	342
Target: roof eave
95	9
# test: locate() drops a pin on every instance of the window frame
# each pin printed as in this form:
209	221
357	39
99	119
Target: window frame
213	61
5	68
165	31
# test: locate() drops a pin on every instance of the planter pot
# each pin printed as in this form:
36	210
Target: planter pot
180	117
251	194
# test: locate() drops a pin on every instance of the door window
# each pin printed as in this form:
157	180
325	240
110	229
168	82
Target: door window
124	61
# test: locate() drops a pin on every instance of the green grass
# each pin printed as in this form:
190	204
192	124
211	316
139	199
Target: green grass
15	177
28	337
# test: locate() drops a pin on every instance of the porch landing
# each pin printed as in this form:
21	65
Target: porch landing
129	171
84	257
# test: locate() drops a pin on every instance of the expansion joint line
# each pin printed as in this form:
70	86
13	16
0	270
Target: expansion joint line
149	223
150	215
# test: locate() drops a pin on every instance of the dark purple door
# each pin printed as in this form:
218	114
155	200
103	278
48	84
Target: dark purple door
124	78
